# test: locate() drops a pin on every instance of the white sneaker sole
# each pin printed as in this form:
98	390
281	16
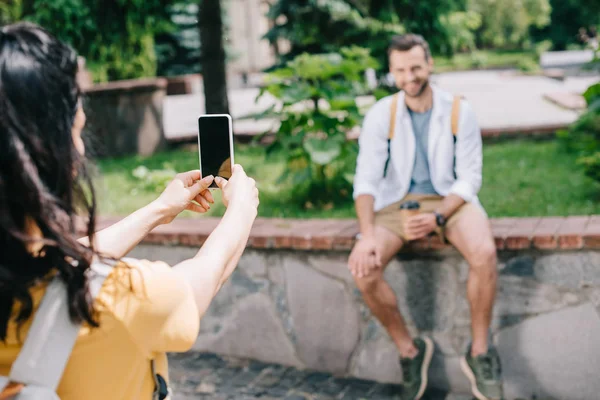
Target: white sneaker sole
471	377
425	366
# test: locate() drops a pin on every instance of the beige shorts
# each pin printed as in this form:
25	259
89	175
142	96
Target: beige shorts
390	217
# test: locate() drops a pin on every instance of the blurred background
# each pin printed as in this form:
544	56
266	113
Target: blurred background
298	75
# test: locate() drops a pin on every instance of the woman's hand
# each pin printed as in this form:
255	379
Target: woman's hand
240	190
186	192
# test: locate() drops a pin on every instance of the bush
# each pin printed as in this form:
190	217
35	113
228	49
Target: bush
478	60
583	137
115	36
527	65
318	108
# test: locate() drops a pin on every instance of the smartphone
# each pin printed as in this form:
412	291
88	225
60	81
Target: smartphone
215	144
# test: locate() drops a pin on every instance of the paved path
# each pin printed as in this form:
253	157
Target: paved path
502	100
209	377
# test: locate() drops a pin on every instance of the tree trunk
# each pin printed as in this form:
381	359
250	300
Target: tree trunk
213	57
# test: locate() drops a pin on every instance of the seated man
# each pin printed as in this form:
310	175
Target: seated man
412	148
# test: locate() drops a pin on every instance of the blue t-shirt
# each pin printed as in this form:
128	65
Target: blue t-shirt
420	182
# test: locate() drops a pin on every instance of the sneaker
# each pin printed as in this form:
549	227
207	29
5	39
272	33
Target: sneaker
414	370
485	374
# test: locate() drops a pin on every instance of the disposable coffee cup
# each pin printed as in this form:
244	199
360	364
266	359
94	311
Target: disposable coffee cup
409	208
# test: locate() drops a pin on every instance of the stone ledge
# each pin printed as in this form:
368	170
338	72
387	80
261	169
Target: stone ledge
128	85
549	233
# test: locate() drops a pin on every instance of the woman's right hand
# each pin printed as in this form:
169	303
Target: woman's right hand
239	191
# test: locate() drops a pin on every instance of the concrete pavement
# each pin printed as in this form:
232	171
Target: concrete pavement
501	99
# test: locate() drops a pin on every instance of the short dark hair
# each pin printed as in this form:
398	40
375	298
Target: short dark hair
408	41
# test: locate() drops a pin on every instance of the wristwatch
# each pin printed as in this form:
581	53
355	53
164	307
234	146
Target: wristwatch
440	220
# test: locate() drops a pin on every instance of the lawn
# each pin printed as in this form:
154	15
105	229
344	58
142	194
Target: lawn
483	59
521	178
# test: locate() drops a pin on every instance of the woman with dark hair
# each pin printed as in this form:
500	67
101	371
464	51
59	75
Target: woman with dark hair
144	309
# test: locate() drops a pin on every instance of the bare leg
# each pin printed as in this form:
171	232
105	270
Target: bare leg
471	234
380	297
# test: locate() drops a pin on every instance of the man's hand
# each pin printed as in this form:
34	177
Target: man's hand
365	257
419	226
186	192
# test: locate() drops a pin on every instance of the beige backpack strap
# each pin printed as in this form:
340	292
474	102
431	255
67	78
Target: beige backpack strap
393	108
455	114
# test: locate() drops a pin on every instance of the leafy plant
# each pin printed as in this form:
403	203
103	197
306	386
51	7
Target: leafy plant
583	137
317	109
461	27
527	65
478	60
506	23
115	36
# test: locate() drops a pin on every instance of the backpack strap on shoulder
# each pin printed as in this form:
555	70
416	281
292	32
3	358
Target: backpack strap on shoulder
391	130
393	108
455	119
52	335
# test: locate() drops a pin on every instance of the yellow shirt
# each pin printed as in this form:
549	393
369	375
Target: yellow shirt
144	312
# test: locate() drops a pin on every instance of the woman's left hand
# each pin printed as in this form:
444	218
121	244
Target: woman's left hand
186	192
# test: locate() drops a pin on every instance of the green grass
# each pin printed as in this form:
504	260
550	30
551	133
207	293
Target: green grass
483	59
521	178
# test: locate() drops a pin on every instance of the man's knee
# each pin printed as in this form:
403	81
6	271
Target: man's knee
483	259
368	284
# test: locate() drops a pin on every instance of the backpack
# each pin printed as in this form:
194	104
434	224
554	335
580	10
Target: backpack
37	371
454	125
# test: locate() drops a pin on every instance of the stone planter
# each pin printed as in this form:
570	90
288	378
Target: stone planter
126	117
184	84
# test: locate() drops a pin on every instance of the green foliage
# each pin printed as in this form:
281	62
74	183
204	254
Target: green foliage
323	26
583	136
153	180
506	23
425	17
461	27
179	51
479	60
567	17
10	11
528	65
318	108
116	36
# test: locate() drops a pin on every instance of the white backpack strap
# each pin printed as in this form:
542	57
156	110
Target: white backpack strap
52	335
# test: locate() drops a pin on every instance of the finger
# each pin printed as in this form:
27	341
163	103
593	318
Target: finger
208	196
238	170
195	208
377	258
415	221
202	201
201	185
192	175
362	265
189	177
221	182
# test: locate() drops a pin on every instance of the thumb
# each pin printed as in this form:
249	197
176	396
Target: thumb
201	185
221	182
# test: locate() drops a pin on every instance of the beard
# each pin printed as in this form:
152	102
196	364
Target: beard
424	85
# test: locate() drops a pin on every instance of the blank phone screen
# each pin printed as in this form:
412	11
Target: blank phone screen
214	143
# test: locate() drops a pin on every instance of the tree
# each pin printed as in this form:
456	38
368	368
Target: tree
506	23
115	36
324	26
210	21
567	17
